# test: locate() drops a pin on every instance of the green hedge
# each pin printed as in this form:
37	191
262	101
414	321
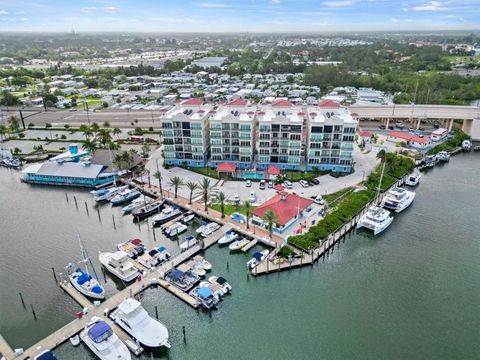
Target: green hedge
451	144
333	221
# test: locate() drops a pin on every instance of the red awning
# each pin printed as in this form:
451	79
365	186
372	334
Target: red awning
273	170
226	167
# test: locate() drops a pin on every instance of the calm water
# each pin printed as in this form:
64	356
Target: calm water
411	293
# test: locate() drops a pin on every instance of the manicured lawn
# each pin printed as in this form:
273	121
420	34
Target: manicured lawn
301	175
334	197
202	171
230	208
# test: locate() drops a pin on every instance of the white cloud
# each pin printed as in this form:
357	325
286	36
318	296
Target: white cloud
393	20
3	12
276	1
106	9
338	3
211	5
430	6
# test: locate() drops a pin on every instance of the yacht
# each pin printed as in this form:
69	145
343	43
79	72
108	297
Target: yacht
146	211
105	344
466	145
133	248
210	228
119	264
443	156
183	280
175	229
238	244
413	179
124	197
257	257
11	163
106	194
135	204
154	257
202	262
228	238
188	218
132	317
398	199
44	355
168	213
376	219
189	242
202	228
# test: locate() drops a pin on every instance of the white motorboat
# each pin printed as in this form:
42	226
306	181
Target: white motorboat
224	285
238	244
257	257
413	179
107	194
133	248
202	262
124	196
168	213
210	229
132	317
376	219
188	243
228	238
154	257
466	145
398	199
136	203
75	340
105	344
205	297
201	228
175	229
119	264
443	156
188	218
198	270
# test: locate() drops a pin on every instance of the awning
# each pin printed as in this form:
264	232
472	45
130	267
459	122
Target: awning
273	170
226	167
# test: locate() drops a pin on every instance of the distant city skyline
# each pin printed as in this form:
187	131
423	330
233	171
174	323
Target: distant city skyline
238	15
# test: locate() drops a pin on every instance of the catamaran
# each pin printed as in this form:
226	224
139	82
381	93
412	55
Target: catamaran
105	344
132	317
82	280
398	199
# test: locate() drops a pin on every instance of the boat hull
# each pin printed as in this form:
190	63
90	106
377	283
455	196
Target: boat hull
86	292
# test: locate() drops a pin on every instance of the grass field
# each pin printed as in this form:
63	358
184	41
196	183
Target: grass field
230	208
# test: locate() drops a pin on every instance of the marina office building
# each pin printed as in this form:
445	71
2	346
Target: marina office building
289	136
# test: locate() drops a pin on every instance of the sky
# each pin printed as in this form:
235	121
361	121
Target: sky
238	15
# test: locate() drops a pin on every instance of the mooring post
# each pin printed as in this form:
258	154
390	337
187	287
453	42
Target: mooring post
113	219
33	312
156	312
154	236
86	208
21	298
138	222
228	266
184	337
66	196
98	213
54	275
75	199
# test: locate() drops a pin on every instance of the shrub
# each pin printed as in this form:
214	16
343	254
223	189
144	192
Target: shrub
31	125
48	125
66	126
63	137
21	135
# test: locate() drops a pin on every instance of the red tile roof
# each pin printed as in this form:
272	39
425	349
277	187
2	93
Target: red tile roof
273	170
193	102
285	209
282	103
407	137
237	102
226	167
365	133
328	104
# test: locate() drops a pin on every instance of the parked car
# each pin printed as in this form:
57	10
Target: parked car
319	200
391	127
315	181
412	130
248	183
252	198
382	127
399	125
236	198
270	184
421	128
304	183
335	174
262	185
288	184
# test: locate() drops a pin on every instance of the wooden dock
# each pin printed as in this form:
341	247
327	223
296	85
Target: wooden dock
76	295
250	245
5	349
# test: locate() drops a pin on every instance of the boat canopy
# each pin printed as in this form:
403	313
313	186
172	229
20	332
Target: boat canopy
136	241
258	255
204	292
47	355
153	252
221	280
100	331
161	249
83	278
176	275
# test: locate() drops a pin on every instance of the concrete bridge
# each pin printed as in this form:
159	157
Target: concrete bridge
444	114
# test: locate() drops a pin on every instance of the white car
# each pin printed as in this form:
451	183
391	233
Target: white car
236	198
252	198
288	184
319	200
304	183
248	183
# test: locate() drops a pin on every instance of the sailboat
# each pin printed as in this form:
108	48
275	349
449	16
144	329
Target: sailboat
376	218
82	280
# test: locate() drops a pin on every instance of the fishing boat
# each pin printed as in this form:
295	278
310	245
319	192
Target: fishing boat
119	264
81	279
225	286
209	229
188	218
104	343
413	179
443	156
75	340
188	243
175	229
228	238
202	262
238	244
205	297
168	213
147	211
201	228
107	194
124	196
132	317
133	248
398	199
183	280
257	257
154	257
135	204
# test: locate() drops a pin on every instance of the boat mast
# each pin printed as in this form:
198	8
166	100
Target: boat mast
380	182
87	258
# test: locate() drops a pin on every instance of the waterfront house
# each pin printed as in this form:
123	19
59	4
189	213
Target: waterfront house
409	139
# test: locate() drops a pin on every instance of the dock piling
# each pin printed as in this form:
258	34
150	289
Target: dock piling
86	208
156	312
228	265
21	298
113	219
66	197
98	213
184	337
154	236
54	275
33	312
75	198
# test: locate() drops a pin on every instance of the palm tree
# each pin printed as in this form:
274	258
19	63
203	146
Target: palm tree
158	175
116	131
13	123
118	159
104	138
90	145
86	130
3	132
205	186
270	218
176	182
192	186
94	127
222	198
247	206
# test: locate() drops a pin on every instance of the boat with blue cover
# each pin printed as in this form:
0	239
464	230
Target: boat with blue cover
257	257
102	340
205	297
46	355
125	197
183	280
